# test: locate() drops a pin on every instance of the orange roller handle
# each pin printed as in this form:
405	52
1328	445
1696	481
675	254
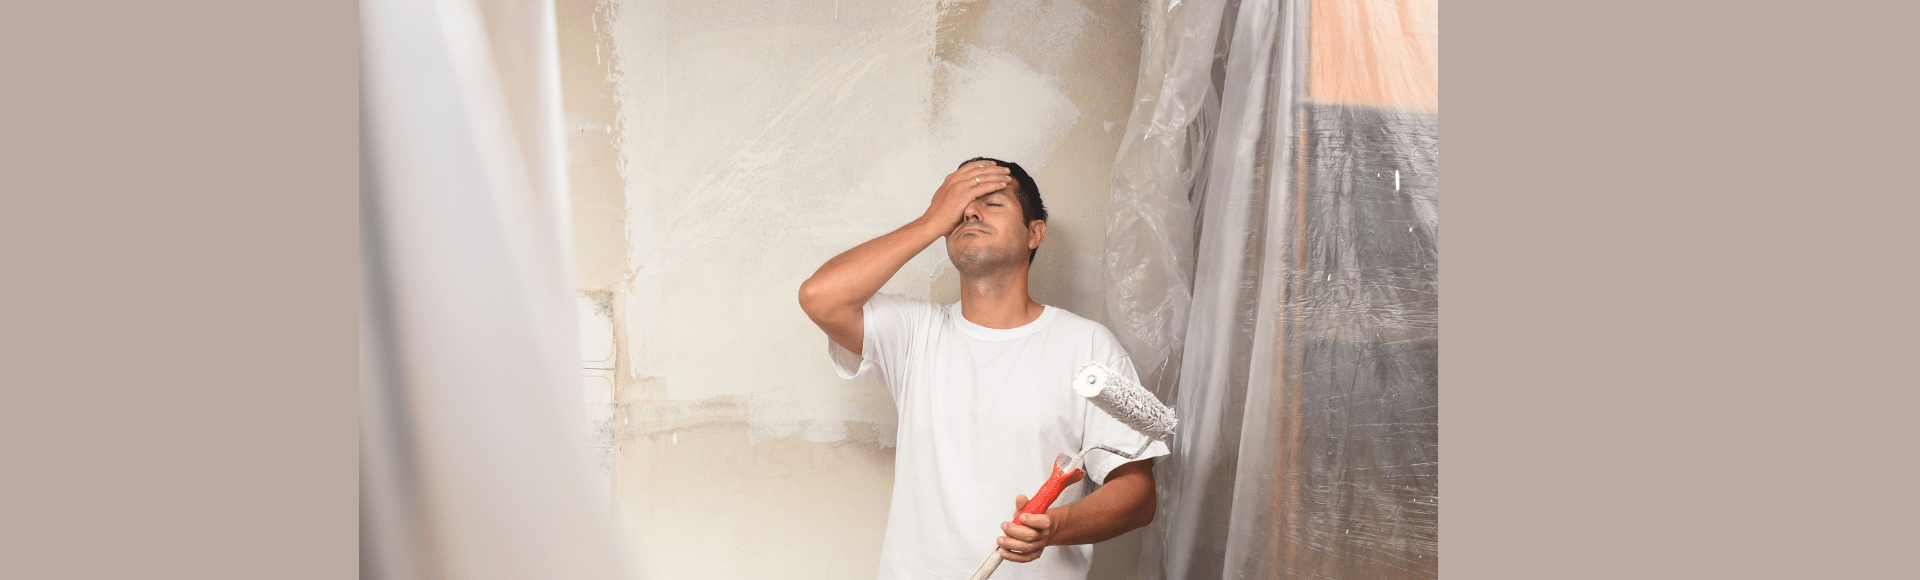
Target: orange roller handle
1037	504
1049	491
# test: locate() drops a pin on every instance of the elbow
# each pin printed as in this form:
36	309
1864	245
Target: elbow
1142	502
810	298
1142	514
825	304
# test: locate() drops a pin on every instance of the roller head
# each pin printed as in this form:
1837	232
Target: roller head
1126	401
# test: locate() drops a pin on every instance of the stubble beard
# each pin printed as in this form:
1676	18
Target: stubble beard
985	260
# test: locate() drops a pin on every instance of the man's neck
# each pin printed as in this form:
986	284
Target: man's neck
998	301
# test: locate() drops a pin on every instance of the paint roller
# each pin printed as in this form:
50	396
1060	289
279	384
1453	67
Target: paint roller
1119	397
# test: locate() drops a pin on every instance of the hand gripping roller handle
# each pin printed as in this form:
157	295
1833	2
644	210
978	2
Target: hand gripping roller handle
1119	397
1041	500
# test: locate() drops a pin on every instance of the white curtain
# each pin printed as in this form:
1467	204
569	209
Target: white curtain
474	460
1273	269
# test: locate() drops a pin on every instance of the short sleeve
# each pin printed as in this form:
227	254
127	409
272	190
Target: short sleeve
846	363
1103	429
889	324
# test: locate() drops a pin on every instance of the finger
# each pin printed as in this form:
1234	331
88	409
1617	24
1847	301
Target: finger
962	177
982	171
992	182
1019	556
969	190
1021	533
1018	551
984	188
973	170
1019	503
963	174
1035	521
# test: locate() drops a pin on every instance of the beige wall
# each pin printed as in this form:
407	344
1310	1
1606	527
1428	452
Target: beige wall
591	105
720	152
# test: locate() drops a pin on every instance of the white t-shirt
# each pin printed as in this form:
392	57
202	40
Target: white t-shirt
983	412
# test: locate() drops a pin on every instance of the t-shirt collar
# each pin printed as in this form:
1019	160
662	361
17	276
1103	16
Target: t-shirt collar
1000	334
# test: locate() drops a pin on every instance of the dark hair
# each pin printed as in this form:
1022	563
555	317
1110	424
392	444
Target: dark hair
1031	208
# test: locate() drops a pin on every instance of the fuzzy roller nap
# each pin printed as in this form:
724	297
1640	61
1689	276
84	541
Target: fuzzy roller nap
1119	397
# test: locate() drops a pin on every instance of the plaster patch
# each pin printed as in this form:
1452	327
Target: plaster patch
760	141
756	141
594	310
817	420
948	8
1046	32
999	107
757	145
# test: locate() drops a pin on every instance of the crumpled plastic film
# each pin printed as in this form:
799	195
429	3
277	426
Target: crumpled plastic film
1277	258
1149	252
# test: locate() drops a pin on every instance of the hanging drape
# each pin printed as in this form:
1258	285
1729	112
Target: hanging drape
1273	268
473	433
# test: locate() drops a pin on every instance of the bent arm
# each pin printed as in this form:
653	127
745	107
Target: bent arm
835	293
1123	504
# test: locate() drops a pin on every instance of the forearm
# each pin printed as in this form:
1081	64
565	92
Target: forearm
1126	502
849	279
833	297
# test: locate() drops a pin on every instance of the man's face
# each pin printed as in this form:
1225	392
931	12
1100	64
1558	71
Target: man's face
991	235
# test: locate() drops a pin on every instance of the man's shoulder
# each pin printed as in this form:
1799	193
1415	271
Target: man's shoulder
897	301
906	311
1065	320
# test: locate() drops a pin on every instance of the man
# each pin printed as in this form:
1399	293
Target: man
983	389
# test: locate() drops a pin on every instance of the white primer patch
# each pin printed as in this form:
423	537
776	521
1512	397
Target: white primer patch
998	107
1046	31
758	143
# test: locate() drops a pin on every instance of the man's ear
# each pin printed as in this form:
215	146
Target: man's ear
1036	231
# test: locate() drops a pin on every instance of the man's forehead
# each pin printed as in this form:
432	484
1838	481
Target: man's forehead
1009	192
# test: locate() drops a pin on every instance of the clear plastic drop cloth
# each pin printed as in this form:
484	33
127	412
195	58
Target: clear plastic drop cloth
473	442
1273	268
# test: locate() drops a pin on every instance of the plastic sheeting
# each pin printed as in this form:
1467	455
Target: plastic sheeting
473	441
1273	267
